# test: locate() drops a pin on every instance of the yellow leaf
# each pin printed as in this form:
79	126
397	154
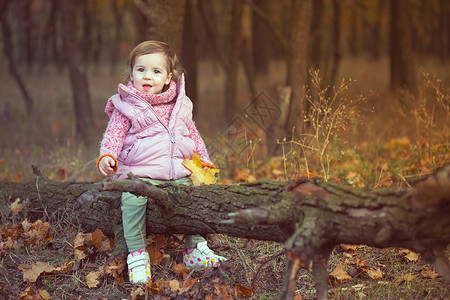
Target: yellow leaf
375	274
199	175
16	206
412	256
407	277
340	274
45	295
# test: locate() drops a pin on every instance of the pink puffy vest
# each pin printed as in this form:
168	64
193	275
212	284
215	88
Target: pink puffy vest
151	149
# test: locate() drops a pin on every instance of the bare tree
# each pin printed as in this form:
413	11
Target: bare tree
77	70
8	49
402	57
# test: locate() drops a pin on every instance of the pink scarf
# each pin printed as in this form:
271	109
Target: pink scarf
162	102
156	99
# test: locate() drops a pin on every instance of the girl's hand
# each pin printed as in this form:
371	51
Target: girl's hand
107	165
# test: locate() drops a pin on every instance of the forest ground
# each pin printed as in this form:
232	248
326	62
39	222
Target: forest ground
384	142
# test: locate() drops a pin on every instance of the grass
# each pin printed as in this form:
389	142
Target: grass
390	146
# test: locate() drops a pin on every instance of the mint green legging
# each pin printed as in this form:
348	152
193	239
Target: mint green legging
133	217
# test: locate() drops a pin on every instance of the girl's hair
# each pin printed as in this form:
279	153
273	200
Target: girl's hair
150	47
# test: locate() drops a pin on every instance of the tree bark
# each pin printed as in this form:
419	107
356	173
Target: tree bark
77	71
164	21
261	40
309	217
297	61
8	49
402	56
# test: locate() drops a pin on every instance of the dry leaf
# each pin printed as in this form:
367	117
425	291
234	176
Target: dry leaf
102	242
340	274
375	274
407	277
199	175
16	206
154	248
348	248
45	295
430	274
412	256
115	269
92	277
37	233
401	141
242	291
31	273
180	269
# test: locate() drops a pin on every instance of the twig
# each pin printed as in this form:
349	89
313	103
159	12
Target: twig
227	247
37	175
187	277
265	262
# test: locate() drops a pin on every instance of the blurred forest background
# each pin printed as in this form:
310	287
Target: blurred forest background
353	91
278	61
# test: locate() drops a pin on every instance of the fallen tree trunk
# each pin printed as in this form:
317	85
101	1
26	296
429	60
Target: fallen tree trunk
310	217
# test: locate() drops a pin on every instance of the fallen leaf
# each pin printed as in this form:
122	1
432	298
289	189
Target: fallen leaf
375	274
37	233
44	294
31	273
340	274
242	291
430	274
102	242
16	206
115	269
92	278
180	269
412	256
401	142
407	277
200	175
154	248
348	248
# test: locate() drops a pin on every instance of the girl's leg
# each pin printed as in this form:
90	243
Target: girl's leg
190	241
133	218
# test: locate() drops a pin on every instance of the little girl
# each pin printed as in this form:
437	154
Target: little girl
150	132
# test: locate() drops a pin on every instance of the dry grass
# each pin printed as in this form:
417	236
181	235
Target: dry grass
47	139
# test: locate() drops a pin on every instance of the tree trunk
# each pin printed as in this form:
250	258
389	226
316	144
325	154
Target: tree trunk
77	71
164	21
189	53
336	49
8	49
261	40
316	32
297	60
234	55
309	217
402	57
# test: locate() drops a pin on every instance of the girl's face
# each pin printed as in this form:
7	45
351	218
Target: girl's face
150	74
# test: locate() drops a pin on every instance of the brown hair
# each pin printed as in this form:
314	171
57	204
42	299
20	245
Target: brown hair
150	47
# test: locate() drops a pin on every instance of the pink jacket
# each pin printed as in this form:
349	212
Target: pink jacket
151	148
